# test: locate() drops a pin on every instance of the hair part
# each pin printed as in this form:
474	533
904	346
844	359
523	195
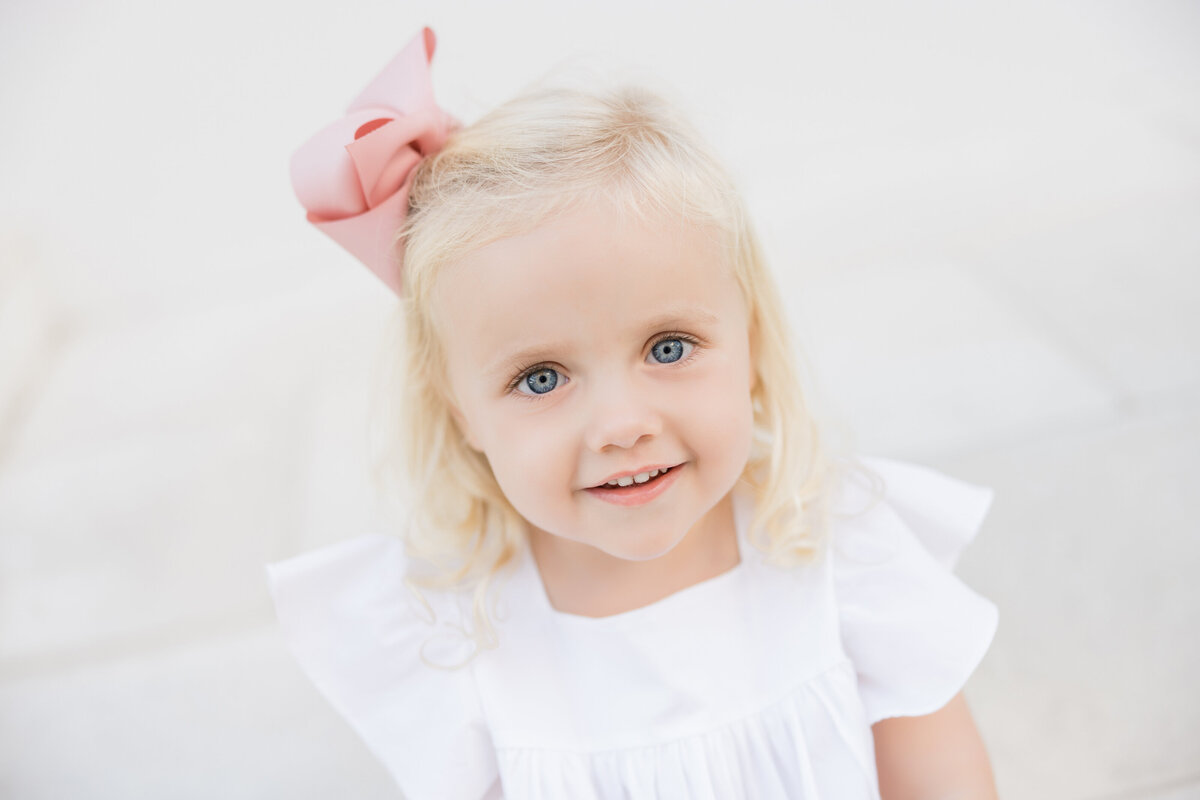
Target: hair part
508	173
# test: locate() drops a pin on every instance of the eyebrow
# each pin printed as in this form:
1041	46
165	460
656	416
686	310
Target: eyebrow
673	317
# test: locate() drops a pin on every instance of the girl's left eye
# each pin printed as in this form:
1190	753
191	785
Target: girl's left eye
670	350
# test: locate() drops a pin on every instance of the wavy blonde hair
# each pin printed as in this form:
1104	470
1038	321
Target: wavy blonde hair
509	172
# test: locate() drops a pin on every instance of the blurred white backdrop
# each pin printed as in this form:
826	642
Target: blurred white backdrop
985	219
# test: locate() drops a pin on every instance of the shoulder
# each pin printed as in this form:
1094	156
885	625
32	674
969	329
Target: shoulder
913	629
355	592
888	502
378	650
351	571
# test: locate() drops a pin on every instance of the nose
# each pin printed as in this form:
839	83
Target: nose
620	416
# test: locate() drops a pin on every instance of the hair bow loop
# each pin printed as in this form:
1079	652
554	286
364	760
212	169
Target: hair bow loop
384	158
353	177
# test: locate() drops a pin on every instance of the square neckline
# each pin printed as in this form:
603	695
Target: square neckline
742	500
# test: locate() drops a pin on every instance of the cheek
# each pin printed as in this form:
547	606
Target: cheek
531	461
723	419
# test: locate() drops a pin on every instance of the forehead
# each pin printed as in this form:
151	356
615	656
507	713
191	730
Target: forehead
589	272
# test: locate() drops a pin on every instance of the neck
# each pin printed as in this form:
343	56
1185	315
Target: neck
583	580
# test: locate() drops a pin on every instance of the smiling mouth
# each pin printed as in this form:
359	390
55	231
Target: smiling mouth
638	494
634	481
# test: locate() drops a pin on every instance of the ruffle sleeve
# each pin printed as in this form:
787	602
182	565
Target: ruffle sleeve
360	635
913	630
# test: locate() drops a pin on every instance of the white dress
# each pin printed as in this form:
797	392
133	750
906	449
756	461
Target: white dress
761	682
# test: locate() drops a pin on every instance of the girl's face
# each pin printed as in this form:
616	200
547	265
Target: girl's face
597	347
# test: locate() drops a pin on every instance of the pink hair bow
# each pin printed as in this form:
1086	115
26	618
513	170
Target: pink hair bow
354	176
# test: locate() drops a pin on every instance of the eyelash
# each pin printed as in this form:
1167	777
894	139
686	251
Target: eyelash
683	337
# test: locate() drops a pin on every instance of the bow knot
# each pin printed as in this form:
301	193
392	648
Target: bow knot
353	177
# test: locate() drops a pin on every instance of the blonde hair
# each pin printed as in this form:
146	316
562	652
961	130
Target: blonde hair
509	172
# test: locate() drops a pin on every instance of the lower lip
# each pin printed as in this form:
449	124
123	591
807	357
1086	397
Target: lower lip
637	494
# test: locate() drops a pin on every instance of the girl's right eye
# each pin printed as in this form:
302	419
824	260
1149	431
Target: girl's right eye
538	380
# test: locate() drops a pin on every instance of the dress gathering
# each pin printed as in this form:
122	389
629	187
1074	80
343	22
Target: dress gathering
761	682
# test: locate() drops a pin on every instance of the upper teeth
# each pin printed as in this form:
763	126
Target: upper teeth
641	477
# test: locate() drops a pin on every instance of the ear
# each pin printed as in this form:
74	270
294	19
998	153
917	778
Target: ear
753	355
464	428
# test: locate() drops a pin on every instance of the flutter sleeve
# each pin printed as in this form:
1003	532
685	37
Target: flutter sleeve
359	633
914	631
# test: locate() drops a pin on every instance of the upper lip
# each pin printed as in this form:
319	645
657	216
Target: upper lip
630	473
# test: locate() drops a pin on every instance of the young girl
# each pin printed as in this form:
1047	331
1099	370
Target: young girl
631	568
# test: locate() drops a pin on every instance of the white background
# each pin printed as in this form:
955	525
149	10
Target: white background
985	218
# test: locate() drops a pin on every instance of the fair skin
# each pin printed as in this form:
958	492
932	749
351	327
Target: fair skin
598	344
582	350
938	756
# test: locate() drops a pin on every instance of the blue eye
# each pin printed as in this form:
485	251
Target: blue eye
668	351
538	381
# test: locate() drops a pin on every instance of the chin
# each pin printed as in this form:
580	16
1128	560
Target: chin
647	549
